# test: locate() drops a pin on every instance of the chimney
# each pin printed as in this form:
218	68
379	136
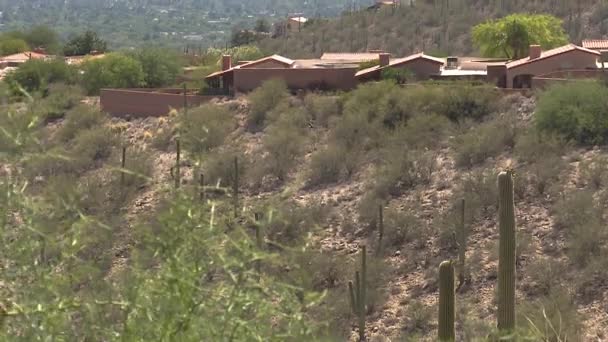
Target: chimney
226	62
385	59
535	51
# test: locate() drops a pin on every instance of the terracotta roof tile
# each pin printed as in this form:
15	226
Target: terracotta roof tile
595	44
549	53
400	61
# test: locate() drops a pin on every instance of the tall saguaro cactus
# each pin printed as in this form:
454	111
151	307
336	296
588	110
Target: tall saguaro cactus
446	302
123	163
177	175
506	261
358	293
462	245
380	229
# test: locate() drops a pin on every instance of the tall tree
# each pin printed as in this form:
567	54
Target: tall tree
511	36
84	44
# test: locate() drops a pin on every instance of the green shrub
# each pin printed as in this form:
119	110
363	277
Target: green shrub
283	143
160	66
291	222
218	167
204	128
418	317
265	99
60	98
115	70
532	145
423	131
403	170
553	317
398	75
401	228
487	140
92	145
322	108
80	118
54	162
577	110
37	74
595	171
461	101
327	165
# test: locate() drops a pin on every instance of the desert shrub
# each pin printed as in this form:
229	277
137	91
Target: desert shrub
163	136
485	141
382	102
80	118
401	228
418	317
320	270
595	171
263	100
92	145
218	167
61	98
283	143
322	107
463	101
53	162
546	274
478	188
581	219
578	111
204	128
290	222
139	165
160	66
327	165
553	317
532	145
398	75
37	74
422	131
403	170
544	173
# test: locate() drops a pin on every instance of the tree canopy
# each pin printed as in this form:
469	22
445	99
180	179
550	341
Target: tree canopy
84	44
512	35
115	70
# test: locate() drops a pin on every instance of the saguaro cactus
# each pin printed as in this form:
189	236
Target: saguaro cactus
358	294
177	173
236	187
506	261
380	229
446	302
123	163
462	245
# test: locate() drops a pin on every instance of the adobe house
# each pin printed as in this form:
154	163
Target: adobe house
297	74
421	65
520	73
599	45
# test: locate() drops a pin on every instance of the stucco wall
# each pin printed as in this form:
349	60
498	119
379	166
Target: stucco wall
138	103
574	59
422	68
269	64
343	78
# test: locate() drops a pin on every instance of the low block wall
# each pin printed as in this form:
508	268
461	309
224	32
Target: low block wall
324	79
145	102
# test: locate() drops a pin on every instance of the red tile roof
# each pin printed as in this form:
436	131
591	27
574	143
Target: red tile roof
400	61
598	44
283	60
548	54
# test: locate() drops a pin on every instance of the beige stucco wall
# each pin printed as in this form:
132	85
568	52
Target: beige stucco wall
138	103
422	68
574	59
343	78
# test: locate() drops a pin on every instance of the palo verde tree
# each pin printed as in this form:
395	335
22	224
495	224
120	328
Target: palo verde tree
512	35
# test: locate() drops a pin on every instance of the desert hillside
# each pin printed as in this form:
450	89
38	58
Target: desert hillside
144	250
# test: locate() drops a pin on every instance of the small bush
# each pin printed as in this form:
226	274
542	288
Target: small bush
595	171
61	98
578	111
92	145
327	166
418	317
552	318
422	131
218	167
531	146
54	162
263	100
204	128
321	108
284	142
139	165
545	173
463	101
291	223
401	228
80	118
483	142
546	274
404	170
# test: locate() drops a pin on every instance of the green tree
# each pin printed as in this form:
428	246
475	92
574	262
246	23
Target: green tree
44	37
84	44
160	66
261	25
511	36
115	70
